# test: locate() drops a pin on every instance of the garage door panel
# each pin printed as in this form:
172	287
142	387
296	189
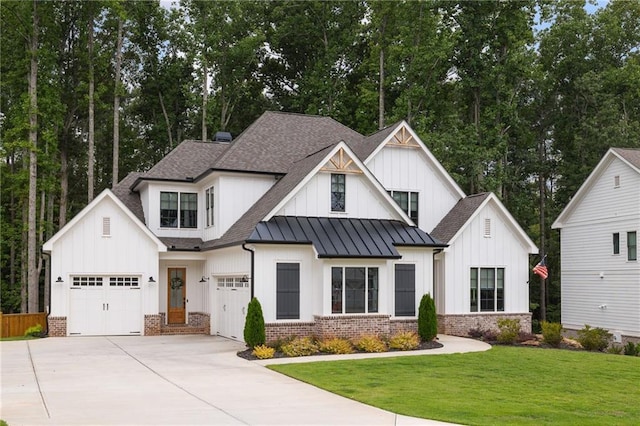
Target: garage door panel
101	305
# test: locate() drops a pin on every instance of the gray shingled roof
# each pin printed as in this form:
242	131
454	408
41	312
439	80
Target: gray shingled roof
632	155
458	216
275	140
129	198
176	243
371	142
343	237
188	160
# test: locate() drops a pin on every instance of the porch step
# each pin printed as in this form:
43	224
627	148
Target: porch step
172	329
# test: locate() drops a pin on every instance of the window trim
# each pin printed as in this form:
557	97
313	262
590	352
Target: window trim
336	190
371	306
498	284
632	250
179	223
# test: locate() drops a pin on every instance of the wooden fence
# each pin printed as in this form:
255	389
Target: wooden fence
13	325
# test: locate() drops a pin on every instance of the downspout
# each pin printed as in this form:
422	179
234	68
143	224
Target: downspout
251	280
49	284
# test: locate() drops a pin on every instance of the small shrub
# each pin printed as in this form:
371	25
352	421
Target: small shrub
280	342
336	346
489	336
551	333
3	423
300	346
34	331
427	319
476	333
254	332
404	341
614	349
371	343
631	349
509	330
263	352
594	339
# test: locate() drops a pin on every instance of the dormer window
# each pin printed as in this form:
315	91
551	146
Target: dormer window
337	192
172	217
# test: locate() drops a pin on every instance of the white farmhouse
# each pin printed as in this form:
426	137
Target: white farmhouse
599	231
335	233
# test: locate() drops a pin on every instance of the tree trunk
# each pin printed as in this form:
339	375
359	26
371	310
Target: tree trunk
116	106
64	183
32	276
166	120
381	92
205	95
91	154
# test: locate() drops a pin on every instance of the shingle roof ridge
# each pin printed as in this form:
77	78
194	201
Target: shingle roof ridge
632	155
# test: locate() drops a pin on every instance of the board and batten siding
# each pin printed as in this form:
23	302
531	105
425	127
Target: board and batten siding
405	169
472	249
266	258
600	288
127	251
361	200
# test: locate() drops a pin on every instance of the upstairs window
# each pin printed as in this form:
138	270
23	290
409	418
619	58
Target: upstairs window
616	243
337	192
408	202
632	246
209	204
172	217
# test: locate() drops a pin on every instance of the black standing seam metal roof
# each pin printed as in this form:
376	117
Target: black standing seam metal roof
343	237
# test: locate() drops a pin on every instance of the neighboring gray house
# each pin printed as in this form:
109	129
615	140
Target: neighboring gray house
599	230
330	230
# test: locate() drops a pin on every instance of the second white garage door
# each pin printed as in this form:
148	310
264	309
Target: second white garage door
105	305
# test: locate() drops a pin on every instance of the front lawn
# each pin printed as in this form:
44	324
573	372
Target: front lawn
505	385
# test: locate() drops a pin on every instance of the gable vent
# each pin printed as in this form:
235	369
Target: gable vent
487	227
106	226
616	181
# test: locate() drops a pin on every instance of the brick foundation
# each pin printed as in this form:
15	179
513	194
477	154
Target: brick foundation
459	325
198	323
152	324
344	326
57	326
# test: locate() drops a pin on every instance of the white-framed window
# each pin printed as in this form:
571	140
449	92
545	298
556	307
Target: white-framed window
232	282
632	246
209	194
354	290
486	290
123	282
338	187
178	210
616	243
408	202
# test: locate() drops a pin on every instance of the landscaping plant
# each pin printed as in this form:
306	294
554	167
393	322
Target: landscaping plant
371	343
594	339
300	346
263	352
254	332
631	349
551	333
404	341
427	319
509	330
336	345
34	331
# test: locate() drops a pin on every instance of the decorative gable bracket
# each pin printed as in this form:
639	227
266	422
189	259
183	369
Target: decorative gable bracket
341	162
403	138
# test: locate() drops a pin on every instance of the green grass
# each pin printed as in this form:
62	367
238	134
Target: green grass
505	385
9	339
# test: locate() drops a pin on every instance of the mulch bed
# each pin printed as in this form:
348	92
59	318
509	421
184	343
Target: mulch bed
246	354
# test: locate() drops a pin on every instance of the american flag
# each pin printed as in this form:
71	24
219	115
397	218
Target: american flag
541	268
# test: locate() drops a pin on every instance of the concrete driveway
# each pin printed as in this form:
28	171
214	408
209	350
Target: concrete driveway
163	380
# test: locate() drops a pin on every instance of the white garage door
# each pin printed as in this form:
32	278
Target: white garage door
233	298
104	305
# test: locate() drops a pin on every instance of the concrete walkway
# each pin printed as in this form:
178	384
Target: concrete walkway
172	380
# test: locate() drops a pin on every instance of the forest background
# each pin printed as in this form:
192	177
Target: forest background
517	97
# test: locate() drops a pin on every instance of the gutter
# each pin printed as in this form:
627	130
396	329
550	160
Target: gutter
251	278
44	253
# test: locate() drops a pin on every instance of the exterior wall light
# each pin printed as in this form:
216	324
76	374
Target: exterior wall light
204	279
151	280
59	280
